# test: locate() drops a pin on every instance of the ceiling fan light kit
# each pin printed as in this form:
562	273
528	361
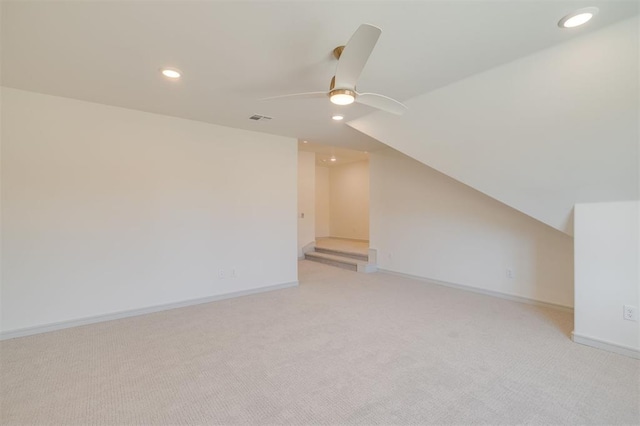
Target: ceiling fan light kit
342	96
352	58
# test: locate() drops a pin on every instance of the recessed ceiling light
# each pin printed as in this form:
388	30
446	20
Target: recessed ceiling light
337	117
333	158
579	17
304	141
171	73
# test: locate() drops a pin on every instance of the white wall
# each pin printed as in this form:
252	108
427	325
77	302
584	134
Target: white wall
323	210
349	193
541	133
306	199
106	209
606	271
426	224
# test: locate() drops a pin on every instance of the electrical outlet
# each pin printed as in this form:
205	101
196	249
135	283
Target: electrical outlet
509	273
630	313
221	274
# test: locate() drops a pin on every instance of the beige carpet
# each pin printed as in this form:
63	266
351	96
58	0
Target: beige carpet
342	348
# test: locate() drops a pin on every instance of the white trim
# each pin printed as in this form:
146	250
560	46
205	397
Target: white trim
373	256
604	345
507	296
309	247
367	267
135	312
306	249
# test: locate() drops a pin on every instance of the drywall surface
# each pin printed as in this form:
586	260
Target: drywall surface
426	224
349	193
323	211
106	209
539	134
606	271
306	199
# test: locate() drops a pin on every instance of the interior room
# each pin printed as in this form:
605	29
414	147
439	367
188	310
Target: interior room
333	185
407	212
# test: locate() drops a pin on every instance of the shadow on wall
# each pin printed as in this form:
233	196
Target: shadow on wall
553	261
426	224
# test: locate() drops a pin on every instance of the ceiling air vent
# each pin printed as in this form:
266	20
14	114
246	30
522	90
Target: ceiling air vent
258	117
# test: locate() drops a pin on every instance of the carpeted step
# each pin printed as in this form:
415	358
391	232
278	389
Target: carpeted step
343	253
340	261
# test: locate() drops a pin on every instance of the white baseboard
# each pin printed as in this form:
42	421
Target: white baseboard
367	267
506	296
373	256
604	345
308	247
135	312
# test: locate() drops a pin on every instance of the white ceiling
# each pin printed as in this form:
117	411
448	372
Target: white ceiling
540	134
234	53
325	152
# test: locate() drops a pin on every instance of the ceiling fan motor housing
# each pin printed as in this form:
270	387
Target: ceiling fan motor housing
341	96
351	60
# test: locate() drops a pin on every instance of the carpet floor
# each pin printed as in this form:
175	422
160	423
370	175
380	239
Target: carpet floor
342	348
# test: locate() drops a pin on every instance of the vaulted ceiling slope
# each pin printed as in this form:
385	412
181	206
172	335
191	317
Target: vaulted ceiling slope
233	53
540	134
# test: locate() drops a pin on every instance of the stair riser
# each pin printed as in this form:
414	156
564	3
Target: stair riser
356	256
333	263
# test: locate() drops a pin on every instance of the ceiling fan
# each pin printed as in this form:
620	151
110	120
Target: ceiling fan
351	60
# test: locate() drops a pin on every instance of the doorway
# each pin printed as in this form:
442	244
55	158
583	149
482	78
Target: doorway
333	205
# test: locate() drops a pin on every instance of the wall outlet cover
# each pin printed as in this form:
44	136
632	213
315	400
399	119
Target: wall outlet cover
630	313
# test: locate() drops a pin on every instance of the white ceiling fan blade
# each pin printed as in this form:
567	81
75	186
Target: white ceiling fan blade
381	102
355	55
305	95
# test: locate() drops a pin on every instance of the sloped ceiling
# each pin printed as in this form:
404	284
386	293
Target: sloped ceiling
233	53
540	134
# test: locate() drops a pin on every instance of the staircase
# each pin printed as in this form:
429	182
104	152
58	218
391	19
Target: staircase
343	258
